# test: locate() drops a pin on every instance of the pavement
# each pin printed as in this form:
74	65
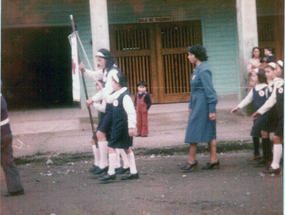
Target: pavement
68	130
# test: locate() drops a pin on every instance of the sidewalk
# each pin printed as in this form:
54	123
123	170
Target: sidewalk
68	130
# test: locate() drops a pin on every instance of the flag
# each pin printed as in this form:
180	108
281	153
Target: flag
75	67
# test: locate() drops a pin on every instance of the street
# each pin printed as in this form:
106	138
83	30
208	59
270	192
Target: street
68	188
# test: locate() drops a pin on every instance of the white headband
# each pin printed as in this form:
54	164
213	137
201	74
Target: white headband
272	64
99	54
280	62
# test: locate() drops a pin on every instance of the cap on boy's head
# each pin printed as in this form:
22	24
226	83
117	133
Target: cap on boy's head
268	48
280	63
272	64
142	83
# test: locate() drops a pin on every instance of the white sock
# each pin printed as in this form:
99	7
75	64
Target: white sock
277	153
131	158
103	154
112	163
125	158
96	154
118	163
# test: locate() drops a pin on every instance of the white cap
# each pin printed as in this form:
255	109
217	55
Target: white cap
272	64
280	62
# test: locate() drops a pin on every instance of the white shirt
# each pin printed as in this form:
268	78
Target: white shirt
278	82
249	96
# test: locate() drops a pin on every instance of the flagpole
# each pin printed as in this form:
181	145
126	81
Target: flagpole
85	89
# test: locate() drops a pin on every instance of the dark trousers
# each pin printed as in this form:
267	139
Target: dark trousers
12	176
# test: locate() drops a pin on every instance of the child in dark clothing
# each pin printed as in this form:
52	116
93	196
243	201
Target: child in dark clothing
142	104
123	128
268	56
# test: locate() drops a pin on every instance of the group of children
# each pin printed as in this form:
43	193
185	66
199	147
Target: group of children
119	117
267	97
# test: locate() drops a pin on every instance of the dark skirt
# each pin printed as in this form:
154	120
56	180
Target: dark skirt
105	123
117	144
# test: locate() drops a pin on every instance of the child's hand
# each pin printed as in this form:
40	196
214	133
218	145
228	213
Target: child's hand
89	102
81	66
255	115
234	110
131	132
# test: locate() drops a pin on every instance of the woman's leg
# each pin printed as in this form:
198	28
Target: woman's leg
213	151
192	153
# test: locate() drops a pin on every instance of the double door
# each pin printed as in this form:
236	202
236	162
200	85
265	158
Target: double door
156	53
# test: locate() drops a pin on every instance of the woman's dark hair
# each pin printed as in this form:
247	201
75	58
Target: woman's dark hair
261	76
254	49
199	51
122	79
110	60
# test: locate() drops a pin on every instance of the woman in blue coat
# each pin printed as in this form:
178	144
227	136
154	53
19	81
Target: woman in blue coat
201	125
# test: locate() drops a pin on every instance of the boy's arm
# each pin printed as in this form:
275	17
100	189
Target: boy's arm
147	100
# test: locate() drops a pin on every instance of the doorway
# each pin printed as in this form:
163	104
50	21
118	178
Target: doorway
156	53
36	67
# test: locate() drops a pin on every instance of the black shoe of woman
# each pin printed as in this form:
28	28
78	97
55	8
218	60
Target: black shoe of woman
215	165
189	166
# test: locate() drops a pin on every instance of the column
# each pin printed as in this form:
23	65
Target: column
247	38
99	26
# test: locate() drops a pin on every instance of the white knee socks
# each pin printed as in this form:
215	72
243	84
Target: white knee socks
131	158
96	154
112	163
103	154
125	158
118	163
277	153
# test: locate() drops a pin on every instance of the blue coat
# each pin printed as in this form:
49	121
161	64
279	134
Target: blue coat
203	101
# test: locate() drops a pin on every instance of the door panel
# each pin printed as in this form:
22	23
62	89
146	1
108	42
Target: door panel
156	53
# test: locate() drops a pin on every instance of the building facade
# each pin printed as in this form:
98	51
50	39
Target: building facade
148	39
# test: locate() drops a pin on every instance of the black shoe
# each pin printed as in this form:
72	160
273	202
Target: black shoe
107	177
93	168
260	162
270	170
137	135
17	193
98	171
189	166
121	170
130	176
144	136
212	165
